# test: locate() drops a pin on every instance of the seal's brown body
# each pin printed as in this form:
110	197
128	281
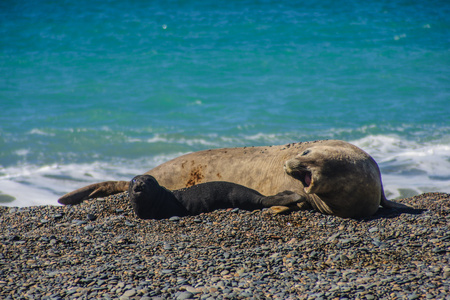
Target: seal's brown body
343	180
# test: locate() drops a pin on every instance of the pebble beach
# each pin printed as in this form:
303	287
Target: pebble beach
101	250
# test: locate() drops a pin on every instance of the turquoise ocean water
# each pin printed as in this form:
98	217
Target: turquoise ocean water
104	90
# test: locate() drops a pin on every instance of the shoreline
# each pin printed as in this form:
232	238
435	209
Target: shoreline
100	249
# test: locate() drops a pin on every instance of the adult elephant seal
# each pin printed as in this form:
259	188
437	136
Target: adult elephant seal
332	176
152	201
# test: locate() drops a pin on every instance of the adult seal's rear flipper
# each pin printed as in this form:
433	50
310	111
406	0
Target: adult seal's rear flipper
392	204
96	190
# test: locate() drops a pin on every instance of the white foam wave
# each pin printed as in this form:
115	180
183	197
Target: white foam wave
22	152
262	137
409	167
41	185
215	141
157	138
41	132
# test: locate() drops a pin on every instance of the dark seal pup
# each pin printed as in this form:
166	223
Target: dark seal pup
152	201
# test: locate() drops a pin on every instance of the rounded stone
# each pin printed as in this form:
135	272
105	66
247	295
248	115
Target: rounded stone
184	295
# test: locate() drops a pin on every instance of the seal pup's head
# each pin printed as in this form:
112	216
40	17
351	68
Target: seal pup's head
341	176
146	196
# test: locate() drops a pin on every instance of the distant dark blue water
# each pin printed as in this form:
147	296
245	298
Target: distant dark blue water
100	90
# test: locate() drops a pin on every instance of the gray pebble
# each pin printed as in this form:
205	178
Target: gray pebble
89	228
129	224
413	296
184	295
129	293
79	222
57	216
373	229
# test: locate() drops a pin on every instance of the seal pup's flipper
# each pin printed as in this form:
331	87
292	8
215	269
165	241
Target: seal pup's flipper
286	202
283	210
96	190
284	198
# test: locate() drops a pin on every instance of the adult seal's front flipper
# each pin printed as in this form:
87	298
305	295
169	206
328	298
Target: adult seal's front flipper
96	190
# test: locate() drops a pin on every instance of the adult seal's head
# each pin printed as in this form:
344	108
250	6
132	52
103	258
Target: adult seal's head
341	179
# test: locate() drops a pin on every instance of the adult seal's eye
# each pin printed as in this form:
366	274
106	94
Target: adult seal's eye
305	152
